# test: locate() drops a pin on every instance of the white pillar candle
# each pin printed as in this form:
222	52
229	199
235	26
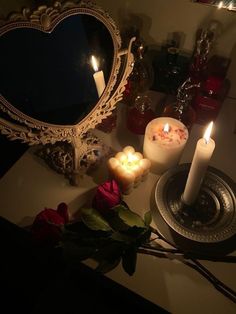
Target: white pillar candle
164	141
128	168
98	77
203	152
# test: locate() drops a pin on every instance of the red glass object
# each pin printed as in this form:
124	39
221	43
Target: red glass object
140	115
181	109
108	124
185	114
209	98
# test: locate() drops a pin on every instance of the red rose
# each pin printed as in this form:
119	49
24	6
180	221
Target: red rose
46	229
107	196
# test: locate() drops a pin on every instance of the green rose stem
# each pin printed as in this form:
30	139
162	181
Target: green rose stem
120	235
190	260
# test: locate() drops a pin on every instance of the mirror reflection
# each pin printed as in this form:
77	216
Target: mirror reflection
49	76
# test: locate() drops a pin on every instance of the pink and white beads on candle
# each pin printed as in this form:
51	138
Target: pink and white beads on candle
164	141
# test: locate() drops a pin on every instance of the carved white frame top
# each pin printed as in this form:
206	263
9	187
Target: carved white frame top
32	131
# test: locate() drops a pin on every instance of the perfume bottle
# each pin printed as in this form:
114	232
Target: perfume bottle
140	114
182	109
198	64
171	71
141	78
209	98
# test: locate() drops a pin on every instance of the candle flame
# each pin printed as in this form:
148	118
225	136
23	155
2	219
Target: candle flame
220	5
230	7
94	63
207	133
131	157
166	128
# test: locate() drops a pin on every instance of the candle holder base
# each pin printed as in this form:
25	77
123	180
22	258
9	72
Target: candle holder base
211	219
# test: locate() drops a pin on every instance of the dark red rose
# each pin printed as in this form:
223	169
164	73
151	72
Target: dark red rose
107	196
62	210
46	228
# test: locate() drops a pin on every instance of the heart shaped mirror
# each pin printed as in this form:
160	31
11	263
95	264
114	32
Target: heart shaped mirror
47	75
61	75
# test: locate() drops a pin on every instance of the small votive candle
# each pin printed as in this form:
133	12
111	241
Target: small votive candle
164	141
128	168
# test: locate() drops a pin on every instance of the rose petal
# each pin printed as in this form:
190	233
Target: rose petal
107	196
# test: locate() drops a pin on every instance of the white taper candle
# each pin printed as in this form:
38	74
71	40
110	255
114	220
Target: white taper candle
203	152
98	77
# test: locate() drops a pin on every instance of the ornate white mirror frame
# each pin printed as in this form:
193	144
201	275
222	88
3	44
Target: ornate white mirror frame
75	158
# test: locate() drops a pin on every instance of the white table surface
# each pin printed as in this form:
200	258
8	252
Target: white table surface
30	185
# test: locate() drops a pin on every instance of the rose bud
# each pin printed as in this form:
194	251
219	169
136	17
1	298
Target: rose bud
46	228
107	196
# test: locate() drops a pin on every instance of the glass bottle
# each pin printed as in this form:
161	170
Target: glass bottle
209	98
140	114
182	109
171	71
141	78
198	64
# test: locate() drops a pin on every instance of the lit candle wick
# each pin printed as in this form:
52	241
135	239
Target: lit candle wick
166	128
207	133
129	168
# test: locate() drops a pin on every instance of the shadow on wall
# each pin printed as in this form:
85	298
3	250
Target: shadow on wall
143	24
131	24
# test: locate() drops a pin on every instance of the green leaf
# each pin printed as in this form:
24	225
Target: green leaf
74	253
130	218
93	220
121	237
145	236
106	266
148	218
129	260
110	252
135	232
116	222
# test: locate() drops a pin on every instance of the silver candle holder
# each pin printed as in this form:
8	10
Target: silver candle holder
211	219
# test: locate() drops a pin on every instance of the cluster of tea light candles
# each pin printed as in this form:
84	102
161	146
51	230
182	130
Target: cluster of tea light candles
164	141
129	168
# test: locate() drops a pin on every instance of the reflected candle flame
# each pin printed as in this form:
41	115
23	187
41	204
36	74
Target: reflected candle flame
230	7
166	128
207	133
94	63
220	5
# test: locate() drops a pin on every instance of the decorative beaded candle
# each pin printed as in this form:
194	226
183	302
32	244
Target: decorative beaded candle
128	168
164	141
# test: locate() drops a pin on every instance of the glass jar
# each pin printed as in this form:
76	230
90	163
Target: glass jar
140	114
